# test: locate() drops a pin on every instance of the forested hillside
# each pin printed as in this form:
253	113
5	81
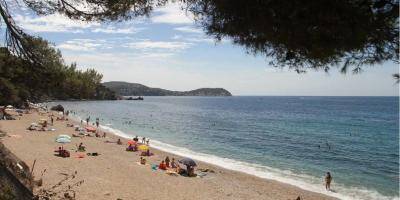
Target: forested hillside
53	80
136	89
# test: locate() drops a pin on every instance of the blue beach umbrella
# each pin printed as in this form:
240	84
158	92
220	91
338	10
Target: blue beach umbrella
63	140
64	136
188	162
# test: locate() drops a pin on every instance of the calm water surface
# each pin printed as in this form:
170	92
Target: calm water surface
291	139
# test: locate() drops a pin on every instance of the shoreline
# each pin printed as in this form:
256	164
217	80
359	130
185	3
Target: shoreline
248	186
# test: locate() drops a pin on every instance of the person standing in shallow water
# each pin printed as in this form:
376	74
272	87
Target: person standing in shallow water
97	122
328	180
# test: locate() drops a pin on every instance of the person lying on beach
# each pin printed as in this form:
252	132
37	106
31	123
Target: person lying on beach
31	128
147	153
162	166
70	125
142	161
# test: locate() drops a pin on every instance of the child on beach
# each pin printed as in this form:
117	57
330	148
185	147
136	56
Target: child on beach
173	164
119	141
142	161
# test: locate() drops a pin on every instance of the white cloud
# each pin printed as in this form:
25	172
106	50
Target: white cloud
59	23
114	30
171	14
148	44
82	45
188	29
52	23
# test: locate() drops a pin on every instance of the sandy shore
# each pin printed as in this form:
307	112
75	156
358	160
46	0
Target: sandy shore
115	174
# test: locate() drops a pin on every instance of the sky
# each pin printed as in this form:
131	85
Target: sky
168	50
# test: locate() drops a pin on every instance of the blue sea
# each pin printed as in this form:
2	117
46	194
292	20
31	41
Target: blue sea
295	140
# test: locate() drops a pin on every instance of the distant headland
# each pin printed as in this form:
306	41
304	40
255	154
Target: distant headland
136	89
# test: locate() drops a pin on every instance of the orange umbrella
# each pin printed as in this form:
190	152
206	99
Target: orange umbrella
131	142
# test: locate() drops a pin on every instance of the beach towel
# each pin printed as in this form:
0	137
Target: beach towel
171	173
80	155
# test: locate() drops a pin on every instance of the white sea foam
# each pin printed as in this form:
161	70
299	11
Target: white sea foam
302	181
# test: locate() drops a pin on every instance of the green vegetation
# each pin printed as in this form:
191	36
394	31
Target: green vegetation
135	89
20	80
300	35
6	193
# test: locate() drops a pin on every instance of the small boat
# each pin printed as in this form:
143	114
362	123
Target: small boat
138	98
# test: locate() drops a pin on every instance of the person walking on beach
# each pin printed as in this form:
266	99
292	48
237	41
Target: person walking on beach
52	120
328	180
87	120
